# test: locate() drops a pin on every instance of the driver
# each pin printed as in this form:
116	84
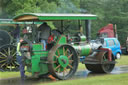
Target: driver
45	32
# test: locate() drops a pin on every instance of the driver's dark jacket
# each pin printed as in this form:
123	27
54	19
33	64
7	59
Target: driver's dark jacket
45	31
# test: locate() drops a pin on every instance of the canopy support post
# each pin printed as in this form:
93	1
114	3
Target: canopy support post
88	29
62	26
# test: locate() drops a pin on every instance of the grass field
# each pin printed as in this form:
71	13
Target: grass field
121	79
10	74
122	61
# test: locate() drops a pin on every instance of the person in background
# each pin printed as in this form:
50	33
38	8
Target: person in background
19	59
45	32
16	33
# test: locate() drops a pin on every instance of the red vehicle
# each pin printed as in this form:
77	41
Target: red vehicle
107	31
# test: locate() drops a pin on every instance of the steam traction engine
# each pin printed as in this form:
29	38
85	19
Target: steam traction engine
63	53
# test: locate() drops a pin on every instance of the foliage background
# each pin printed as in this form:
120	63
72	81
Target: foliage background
108	11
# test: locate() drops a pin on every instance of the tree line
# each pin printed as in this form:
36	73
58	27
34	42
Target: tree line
108	11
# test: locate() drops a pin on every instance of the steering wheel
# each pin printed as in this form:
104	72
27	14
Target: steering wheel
54	34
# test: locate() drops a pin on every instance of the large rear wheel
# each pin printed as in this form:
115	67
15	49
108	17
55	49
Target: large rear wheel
63	62
8	58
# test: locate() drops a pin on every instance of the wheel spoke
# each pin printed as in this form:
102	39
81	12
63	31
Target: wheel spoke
7	65
70	61
9	51
5	51
2	57
58	52
10	67
2	61
58	70
13	50
57	67
70	56
66	52
13	64
14	54
65	69
56	56
3	64
14	59
3	54
63	51
70	66
55	62
16	63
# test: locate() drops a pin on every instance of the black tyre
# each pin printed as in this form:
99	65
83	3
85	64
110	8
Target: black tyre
101	68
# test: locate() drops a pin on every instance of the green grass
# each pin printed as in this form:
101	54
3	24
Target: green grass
121	79
122	61
81	66
10	74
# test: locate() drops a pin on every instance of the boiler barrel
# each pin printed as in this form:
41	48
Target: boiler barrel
83	50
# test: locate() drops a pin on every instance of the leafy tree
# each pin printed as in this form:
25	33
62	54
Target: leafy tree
30	6
116	13
3	4
107	11
66	6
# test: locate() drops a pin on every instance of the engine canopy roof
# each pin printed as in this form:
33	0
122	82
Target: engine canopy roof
52	17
